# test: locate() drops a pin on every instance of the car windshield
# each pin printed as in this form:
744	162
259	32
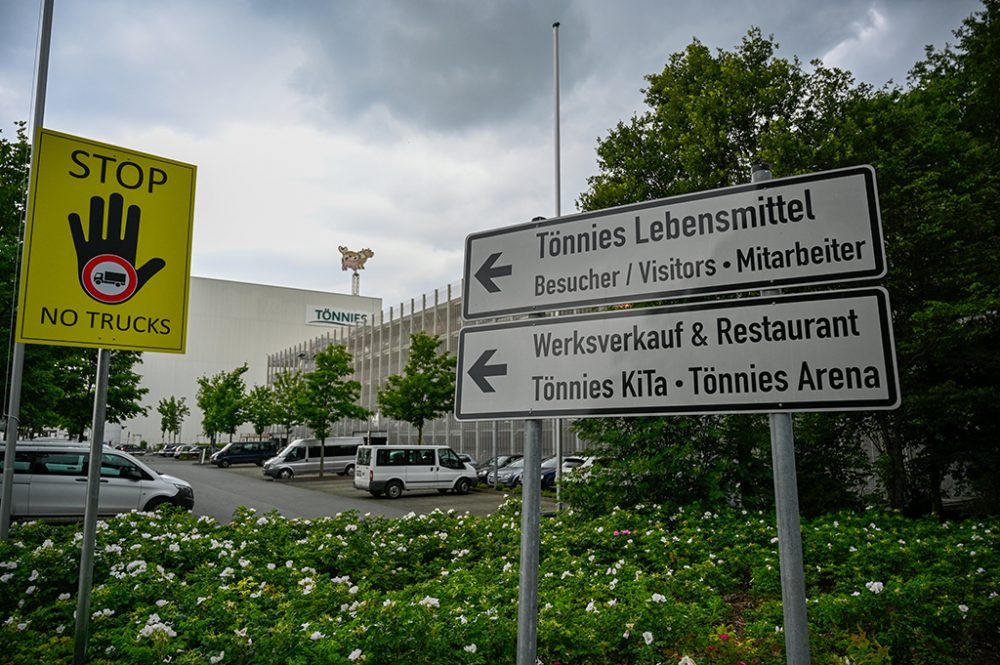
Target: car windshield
516	464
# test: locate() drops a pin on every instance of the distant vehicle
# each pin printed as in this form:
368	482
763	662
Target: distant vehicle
302	456
168	450
393	469
467	458
187	451
244	452
131	449
501	461
549	469
50	483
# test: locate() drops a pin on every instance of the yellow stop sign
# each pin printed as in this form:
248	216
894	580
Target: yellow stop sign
107	253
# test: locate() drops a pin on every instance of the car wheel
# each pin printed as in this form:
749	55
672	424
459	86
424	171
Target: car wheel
285	474
462	486
393	489
155	503
224	464
259	462
349	470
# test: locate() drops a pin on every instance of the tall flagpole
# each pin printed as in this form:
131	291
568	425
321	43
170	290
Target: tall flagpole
17	358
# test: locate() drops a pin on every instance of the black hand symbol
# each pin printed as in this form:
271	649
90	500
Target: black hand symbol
97	243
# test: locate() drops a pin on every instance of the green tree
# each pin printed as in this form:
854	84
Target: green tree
172	413
937	152
425	390
329	396
288	389
259	409
935	149
77	369
711	117
220	398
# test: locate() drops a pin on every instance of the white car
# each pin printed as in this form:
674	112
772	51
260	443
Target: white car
50	482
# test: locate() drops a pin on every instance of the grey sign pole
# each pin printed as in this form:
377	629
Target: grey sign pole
90	515
786	499
527	607
17	358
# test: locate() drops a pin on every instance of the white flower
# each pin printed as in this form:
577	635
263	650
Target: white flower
388	602
64	596
428	601
161	603
963	608
647	637
471	648
658	598
686	660
874	587
217	659
316	636
355	655
591	607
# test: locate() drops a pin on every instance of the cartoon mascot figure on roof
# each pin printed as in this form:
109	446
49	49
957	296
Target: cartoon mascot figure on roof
354	260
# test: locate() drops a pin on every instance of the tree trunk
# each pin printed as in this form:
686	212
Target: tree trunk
895	482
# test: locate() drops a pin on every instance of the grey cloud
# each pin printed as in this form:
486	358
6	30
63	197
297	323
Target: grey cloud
441	64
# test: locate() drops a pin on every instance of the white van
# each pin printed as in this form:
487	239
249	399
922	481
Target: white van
302	456
391	469
50	482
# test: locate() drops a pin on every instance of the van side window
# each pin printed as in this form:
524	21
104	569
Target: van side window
397	458
421	457
22	462
364	456
314	452
449	459
114	466
295	454
62	464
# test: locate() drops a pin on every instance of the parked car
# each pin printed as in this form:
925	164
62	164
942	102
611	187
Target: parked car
50	483
244	452
188	451
302	456
131	449
499	461
467	458
549	468
510	475
168	450
393	469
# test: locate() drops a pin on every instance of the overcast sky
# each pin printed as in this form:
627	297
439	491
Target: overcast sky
397	125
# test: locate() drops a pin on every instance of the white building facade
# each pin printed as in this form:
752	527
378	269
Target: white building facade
229	324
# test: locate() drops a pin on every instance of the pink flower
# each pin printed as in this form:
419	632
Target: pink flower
724	636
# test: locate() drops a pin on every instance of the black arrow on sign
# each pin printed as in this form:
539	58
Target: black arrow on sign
487	273
480	370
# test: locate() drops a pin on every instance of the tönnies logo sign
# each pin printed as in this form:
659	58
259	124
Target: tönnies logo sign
321	315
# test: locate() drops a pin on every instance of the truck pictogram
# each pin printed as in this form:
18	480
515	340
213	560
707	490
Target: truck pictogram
110	277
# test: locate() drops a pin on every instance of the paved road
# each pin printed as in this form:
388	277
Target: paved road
219	492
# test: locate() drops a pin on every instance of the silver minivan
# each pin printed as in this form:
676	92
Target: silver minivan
391	469
302	456
50	482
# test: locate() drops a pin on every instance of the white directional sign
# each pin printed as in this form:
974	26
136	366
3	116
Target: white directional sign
803	352
815	228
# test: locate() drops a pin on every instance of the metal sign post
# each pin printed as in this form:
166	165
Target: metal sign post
82	634
786	500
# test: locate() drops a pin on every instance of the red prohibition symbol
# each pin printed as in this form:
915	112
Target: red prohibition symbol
109	279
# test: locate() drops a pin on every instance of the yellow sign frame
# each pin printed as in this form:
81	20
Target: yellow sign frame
107	247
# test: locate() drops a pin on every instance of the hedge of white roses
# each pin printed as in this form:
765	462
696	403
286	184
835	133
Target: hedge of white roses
632	587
